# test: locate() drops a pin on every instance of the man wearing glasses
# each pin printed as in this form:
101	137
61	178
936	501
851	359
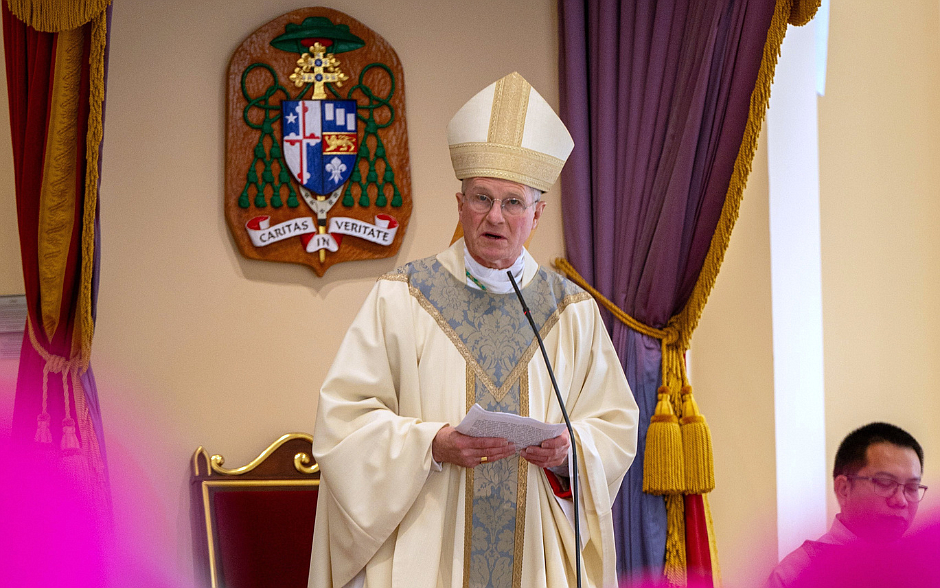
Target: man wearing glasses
407	500
876	479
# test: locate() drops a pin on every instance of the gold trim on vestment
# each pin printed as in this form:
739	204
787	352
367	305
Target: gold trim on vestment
394	277
470	387
518	164
467	526
468	491
521	486
522	472
524	398
519	540
507	116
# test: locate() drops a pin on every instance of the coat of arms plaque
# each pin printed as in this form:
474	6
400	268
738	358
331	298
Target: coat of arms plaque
316	168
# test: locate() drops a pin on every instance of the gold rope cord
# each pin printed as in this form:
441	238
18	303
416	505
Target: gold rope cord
55	16
85	325
797	12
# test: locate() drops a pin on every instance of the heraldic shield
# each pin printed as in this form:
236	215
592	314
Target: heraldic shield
320	142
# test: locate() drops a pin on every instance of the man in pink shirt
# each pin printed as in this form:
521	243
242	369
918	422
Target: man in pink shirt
876	479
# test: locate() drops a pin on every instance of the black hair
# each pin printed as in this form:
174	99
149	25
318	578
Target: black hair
851	456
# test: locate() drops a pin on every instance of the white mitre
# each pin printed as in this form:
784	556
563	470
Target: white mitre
508	131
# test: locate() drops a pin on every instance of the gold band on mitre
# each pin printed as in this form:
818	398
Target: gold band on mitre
509	131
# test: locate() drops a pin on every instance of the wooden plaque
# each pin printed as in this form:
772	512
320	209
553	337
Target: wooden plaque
316	157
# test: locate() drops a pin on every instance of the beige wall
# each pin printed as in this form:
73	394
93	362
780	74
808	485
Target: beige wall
879	131
198	346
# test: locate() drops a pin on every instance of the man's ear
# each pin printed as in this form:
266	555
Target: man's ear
841	485
539	208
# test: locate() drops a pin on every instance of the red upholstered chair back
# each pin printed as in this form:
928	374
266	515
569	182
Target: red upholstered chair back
253	525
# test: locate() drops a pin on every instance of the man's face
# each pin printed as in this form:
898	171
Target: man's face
870	515
494	238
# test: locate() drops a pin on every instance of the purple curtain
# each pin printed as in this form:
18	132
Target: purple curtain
656	95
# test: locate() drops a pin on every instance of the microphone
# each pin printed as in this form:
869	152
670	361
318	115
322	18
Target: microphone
564	413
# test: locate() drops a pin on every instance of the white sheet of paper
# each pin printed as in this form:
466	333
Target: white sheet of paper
520	431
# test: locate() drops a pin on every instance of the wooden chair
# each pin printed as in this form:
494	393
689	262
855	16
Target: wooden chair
253	525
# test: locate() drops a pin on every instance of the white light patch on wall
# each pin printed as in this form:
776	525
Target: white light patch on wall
821	24
799	399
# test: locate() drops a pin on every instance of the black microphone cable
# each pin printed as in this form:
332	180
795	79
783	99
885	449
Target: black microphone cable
564	413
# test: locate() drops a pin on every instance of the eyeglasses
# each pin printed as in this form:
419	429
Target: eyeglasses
886	487
512	206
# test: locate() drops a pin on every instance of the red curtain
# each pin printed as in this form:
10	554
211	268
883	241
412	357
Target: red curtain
56	58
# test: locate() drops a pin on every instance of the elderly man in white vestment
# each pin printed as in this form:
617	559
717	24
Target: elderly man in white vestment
405	499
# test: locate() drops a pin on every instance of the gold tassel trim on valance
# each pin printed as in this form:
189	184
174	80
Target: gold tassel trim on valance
56	16
803	11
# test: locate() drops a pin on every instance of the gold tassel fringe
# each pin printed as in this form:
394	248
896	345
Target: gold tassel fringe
55	16
84	329
675	567
803	11
696	447
663	457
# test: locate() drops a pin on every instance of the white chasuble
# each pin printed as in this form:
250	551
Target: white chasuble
423	349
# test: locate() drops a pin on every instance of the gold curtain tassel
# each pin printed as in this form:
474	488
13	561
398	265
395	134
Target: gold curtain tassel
662	468
43	433
70	444
696	447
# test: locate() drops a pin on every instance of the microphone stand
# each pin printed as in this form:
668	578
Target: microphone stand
564	413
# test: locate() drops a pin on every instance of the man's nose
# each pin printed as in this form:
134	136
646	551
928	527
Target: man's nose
495	215
898	499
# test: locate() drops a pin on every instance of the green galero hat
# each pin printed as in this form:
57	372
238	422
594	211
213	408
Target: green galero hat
295	37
